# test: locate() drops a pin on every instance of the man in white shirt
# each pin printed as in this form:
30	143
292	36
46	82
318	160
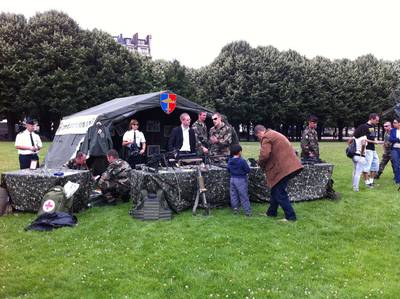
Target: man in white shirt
183	138
135	142
28	144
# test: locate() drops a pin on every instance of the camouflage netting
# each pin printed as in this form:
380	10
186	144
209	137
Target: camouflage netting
26	187
310	184
180	185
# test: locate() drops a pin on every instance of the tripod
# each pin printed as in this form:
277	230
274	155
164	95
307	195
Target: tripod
201	192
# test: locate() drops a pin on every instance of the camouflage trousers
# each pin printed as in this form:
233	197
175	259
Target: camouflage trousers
110	194
386	157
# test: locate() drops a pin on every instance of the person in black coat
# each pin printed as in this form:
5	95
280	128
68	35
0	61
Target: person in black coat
182	138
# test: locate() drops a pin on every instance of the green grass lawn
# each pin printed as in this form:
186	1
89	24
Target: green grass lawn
337	249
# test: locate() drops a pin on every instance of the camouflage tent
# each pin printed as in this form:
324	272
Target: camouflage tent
114	117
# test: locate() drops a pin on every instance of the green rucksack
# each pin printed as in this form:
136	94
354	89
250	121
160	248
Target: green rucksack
55	201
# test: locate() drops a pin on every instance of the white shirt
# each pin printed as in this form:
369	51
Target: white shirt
186	142
24	139
128	136
359	142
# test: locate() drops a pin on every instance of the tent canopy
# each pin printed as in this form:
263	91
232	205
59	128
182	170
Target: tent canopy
114	115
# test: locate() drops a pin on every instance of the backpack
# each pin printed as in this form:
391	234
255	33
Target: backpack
55	201
351	149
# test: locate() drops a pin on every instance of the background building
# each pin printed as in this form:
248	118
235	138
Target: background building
134	43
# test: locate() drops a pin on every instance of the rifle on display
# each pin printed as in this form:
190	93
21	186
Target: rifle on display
184	159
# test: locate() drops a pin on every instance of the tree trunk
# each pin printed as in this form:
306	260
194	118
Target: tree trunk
285	130
45	126
299	129
340	126
11	121
56	123
320	130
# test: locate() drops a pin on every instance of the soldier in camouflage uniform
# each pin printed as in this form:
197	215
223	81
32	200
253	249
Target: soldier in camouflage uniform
386	157
115	181
309	140
310	152
200	129
78	163
220	138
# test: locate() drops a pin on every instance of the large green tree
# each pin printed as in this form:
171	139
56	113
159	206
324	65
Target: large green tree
13	75
229	83
71	69
50	67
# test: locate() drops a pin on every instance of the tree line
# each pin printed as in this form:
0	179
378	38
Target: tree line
50	68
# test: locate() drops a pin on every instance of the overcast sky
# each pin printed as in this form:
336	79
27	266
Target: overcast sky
194	32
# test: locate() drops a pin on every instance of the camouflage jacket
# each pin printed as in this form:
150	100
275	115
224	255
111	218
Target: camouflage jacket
72	165
309	143
200	129
224	136
386	144
117	176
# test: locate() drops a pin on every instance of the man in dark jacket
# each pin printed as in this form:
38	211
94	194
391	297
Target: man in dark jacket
97	143
183	138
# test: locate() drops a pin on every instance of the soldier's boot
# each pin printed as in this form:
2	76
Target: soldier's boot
125	197
104	200
330	192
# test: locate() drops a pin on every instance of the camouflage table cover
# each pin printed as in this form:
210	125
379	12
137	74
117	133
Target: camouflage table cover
26	187
180	185
310	184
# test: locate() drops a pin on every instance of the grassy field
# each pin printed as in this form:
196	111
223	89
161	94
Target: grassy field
337	249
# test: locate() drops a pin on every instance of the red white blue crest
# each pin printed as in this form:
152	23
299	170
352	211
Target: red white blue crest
168	102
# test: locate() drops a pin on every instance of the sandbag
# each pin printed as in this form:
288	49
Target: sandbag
5	207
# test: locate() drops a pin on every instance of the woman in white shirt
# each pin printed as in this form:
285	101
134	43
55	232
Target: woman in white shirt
359	161
135	142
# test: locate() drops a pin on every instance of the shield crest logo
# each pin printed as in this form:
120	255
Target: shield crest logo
168	102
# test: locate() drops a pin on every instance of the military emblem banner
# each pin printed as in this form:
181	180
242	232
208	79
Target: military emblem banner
168	102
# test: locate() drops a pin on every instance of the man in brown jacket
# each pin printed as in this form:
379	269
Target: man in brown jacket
280	163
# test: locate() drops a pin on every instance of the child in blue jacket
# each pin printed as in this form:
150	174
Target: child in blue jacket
238	170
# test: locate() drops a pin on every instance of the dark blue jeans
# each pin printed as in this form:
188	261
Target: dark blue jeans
25	160
279	197
396	164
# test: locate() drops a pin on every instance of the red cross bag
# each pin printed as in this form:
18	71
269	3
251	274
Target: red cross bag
55	200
